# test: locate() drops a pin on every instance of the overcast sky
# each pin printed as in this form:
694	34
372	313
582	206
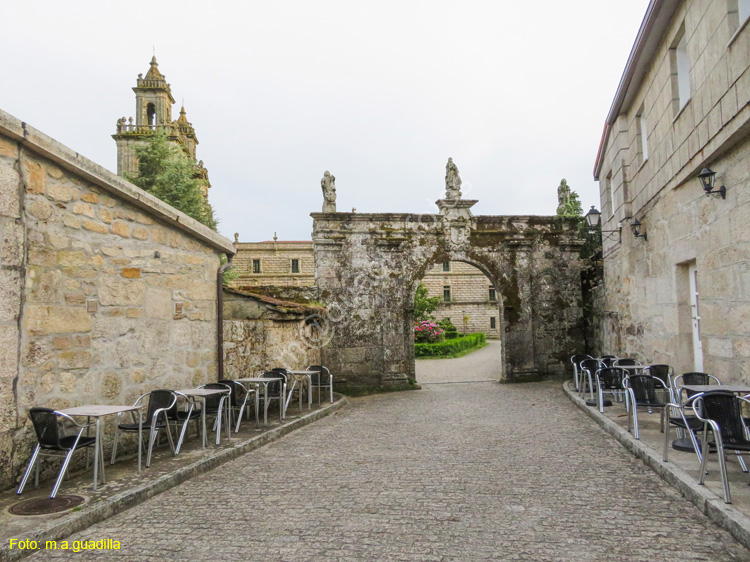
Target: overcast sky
379	93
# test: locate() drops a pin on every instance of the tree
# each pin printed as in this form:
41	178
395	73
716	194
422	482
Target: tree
166	172
424	306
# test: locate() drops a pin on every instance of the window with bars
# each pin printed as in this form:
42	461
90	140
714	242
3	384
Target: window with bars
447	293
256	266
295	266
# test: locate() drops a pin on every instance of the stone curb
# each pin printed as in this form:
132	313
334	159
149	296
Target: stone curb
724	515
91	514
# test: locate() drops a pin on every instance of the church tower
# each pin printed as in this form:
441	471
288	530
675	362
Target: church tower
153	114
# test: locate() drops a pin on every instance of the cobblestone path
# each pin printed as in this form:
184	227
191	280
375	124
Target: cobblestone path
472	471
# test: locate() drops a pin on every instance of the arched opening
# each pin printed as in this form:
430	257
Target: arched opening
151	115
468	299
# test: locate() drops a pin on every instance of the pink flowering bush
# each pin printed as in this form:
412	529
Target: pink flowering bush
427	331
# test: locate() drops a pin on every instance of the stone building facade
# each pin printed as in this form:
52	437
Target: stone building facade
106	291
291	264
466	294
681	293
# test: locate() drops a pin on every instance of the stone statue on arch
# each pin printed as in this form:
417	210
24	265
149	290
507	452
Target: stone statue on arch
328	185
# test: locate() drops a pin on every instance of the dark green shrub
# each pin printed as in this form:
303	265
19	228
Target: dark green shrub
450	347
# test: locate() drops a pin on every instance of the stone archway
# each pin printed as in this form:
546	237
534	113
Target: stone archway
367	267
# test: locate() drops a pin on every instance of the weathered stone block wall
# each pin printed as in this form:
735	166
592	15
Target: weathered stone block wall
645	302
92	278
259	336
368	267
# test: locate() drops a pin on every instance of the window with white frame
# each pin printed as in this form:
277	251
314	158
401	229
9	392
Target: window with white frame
680	70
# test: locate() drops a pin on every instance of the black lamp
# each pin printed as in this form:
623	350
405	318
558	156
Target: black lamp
708	178
635	226
594	218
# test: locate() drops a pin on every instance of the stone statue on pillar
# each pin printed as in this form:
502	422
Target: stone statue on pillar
452	181
328	185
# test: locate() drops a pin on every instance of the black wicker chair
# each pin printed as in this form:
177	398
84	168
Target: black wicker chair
181	414
159	402
321	378
589	367
608	360
57	435
722	412
275	390
609	381
642	392
218	407
238	401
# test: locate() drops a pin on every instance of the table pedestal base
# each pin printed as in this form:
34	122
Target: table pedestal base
594	403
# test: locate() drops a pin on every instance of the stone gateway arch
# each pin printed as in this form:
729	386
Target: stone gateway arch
368	266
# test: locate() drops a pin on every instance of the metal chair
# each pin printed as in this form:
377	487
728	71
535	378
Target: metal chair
183	416
55	439
609	380
238	400
322	378
576	360
685	423
275	390
608	360
589	367
159	402
722	412
642	392
660	371
217	405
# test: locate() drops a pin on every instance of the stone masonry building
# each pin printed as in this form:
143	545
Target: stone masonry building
465	290
106	291
680	292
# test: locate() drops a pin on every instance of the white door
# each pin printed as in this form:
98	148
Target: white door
696	319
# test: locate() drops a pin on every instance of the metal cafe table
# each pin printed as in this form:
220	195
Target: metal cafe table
98	411
257	381
202	393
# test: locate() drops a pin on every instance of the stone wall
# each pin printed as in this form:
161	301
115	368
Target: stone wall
107	292
368	267
470	287
645	305
261	333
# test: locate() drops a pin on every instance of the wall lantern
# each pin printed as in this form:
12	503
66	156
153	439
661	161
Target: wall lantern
635	226
708	177
594	219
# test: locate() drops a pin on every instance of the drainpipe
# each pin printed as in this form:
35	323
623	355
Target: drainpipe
220	313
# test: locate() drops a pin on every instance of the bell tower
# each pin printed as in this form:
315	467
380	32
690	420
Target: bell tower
153	115
153	98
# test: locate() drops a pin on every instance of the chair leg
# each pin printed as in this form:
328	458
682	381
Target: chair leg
636	432
34	457
169	436
723	469
666	444
62	473
330	388
152	434
704	456
114	446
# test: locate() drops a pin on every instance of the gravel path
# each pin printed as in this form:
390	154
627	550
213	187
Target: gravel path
481	365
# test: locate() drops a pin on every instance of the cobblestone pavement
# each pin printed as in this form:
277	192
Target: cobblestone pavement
481	365
453	472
